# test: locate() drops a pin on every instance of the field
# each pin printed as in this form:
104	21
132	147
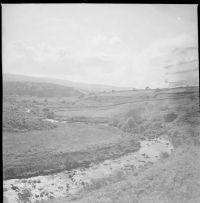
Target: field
48	135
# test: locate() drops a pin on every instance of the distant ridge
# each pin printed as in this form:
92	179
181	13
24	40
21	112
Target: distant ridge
84	87
38	89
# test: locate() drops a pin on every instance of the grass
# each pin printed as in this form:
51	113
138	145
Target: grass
175	179
170	117
129	125
97	184
15	118
24	196
131	116
76	145
164	155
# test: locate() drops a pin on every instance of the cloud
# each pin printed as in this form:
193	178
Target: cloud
149	65
108	40
127	45
43	59
104	60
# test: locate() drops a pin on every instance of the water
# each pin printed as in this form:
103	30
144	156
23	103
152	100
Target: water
67	183
54	121
27	110
51	120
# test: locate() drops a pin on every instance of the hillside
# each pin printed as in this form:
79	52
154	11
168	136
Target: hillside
80	86
38	89
128	146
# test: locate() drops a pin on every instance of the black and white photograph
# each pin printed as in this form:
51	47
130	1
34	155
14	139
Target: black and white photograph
100	103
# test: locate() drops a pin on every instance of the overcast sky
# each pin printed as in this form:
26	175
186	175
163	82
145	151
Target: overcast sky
122	45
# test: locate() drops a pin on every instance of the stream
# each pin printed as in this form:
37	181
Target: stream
67	183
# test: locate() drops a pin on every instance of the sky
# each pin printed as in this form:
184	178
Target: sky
126	45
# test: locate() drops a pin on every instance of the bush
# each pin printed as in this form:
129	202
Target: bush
135	114
142	129
114	122
35	102
164	108
129	125
45	109
164	155
81	96
24	196
170	117
50	115
15	119
192	97
157	125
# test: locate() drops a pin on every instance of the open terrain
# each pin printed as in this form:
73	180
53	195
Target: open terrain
101	103
49	136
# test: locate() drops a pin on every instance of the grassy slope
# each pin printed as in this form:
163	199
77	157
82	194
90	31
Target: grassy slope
37	152
38	89
175	179
66	147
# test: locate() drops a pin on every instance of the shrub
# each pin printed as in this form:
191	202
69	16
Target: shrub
35	102
157	125
16	119
24	196
177	141
135	114
192	97
25	100
196	139
164	155
142	129
50	115
45	109
129	125
120	124
164	108
170	117
81	96
114	122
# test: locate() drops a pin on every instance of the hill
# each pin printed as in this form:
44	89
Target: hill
85	87
38	89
